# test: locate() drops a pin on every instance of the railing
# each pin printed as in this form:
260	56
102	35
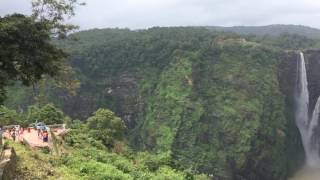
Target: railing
9	126
56	126
50	126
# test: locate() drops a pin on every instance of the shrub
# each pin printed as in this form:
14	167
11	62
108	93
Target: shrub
154	161
166	172
96	170
105	126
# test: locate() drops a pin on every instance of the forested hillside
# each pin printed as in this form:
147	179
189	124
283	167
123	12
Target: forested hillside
210	100
270	30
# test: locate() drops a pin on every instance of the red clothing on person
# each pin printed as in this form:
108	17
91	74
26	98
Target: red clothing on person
45	136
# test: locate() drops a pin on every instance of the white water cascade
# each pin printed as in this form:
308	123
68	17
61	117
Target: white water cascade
307	125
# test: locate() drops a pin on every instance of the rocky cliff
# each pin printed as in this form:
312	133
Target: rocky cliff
217	103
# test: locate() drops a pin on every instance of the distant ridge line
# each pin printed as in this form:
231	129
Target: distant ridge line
272	30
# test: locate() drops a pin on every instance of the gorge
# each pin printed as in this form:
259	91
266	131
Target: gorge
214	102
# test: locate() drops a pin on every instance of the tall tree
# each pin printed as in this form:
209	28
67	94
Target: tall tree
54	13
25	49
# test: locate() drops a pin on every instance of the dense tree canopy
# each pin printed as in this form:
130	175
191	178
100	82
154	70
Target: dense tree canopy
25	50
8	116
47	114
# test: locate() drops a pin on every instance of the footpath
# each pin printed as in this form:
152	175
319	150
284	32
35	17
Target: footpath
34	140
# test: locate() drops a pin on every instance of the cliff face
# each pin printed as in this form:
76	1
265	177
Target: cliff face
288	80
223	108
217	103
287	75
312	58
288	69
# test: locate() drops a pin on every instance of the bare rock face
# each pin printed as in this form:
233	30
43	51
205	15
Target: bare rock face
120	93
313	73
288	74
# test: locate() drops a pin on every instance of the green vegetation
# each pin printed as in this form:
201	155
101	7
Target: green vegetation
185	102
47	114
288	41
91	159
8	116
238	91
195	101
105	126
33	164
271	30
26	51
20	60
83	157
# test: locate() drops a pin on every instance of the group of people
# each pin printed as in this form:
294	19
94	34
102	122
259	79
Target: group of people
16	132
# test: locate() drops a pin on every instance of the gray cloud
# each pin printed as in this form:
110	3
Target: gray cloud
137	14
12	6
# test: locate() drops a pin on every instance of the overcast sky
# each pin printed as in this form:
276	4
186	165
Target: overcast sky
138	14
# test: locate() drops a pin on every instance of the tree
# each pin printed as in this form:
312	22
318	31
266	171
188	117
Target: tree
26	52
8	116
105	126
47	114
54	13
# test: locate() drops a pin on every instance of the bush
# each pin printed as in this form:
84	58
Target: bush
154	161
96	170
166	172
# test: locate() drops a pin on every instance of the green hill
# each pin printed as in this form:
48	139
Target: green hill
271	30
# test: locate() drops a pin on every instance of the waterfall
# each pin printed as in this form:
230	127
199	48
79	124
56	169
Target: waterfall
306	125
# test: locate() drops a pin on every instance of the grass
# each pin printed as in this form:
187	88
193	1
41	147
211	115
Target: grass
33	164
85	161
